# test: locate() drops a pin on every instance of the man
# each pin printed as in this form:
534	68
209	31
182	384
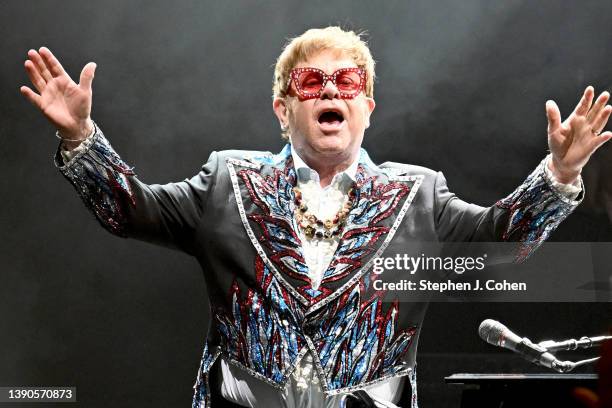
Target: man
287	241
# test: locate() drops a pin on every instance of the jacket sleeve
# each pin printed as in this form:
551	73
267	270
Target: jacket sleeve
527	216
165	214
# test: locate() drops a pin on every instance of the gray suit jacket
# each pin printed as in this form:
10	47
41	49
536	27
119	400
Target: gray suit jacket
236	217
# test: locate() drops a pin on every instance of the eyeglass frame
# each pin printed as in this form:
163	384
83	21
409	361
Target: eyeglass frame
295	72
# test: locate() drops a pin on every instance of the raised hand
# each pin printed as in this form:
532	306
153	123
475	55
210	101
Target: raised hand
573	141
64	103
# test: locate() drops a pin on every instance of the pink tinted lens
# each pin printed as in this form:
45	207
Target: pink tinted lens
348	82
310	82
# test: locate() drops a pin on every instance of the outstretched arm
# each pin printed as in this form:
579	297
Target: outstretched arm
535	209
164	214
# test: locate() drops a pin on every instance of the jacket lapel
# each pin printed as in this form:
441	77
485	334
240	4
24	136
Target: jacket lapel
382	200
263	188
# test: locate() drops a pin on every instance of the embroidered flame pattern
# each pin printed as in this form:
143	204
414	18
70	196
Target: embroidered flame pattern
375	202
101	179
535	211
355	341
262	332
273	195
358	341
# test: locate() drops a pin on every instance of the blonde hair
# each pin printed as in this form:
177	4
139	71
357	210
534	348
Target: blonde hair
315	40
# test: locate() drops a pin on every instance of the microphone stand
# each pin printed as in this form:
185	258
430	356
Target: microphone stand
572	344
567	366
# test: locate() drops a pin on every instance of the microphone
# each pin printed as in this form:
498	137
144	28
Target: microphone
495	333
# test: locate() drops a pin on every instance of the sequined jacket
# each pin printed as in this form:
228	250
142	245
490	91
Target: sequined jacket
236	216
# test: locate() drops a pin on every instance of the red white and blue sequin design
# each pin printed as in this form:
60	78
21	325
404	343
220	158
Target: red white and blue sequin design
100	177
271	225
375	202
355	341
536	209
201	391
262	332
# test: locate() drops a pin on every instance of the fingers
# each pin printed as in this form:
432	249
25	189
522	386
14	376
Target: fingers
37	80
598	141
585	102
553	115
30	96
598	106
600	121
87	76
40	65
52	63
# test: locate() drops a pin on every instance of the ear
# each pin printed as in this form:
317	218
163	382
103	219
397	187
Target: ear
370	105
281	111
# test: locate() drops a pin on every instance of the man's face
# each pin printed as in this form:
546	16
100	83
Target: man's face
328	127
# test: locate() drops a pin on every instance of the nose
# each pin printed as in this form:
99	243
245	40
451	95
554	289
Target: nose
330	91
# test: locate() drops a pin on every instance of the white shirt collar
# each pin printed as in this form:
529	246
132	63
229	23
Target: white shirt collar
305	173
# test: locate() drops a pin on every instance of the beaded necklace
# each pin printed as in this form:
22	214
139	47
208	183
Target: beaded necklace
312	226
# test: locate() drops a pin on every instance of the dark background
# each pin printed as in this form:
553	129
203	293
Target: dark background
461	88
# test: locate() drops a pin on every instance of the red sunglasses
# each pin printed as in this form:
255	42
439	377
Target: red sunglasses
310	82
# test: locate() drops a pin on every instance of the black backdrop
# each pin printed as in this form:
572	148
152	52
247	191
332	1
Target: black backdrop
461	88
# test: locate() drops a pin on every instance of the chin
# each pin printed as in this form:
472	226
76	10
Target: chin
331	145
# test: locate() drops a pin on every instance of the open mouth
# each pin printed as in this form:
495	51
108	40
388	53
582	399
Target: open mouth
331	117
